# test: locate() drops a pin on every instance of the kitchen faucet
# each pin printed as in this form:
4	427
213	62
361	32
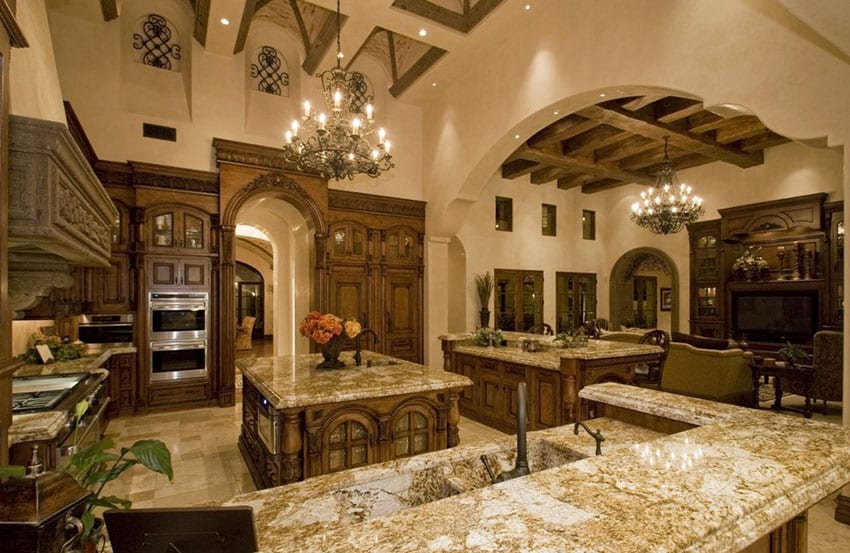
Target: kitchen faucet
521	465
357	358
596	436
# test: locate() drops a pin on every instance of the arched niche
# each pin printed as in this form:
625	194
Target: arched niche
644	259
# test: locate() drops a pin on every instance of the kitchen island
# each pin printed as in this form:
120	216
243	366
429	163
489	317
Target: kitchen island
299	421
554	375
737	479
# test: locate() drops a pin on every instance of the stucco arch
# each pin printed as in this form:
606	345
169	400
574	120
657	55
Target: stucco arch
620	279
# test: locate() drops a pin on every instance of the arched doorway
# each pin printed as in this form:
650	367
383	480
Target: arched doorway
250	297
643	291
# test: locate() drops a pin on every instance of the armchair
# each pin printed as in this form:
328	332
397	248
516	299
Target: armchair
243	333
829	368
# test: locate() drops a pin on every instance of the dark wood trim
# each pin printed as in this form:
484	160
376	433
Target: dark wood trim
79	134
202	19
248	12
423	64
323	42
7	18
393	60
435	13
479	11
109	9
252	155
842	508
137	173
305	38
370	203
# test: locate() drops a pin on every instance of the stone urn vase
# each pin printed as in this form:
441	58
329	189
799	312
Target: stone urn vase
330	353
484	317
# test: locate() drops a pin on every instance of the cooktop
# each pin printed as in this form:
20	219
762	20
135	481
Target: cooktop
41	393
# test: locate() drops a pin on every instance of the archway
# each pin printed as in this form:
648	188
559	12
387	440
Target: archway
634	300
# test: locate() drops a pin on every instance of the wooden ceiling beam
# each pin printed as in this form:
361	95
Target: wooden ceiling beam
302	27
703	122
670	110
410	76
582	165
248	11
614	115
202	17
597	137
568	127
323	43
548	174
766	140
435	13
519	167
642	101
739	128
631	146
601	185
109	9
573	181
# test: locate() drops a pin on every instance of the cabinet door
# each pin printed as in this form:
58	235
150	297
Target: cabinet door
545	399
512	376
195	274
349	442
163	272
490	393
349	292
413	431
402	314
194	232
177	229
161	231
466	367
111	287
170	273
402	246
348	242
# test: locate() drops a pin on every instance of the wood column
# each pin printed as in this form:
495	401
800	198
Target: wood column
293	445
227	312
453	435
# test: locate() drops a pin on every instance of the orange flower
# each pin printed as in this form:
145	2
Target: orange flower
324	327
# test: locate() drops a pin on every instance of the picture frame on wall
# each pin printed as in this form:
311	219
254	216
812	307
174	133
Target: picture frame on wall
666	299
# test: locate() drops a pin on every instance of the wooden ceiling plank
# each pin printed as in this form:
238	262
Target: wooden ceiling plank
324	41
581	165
435	13
740	128
202	17
519	167
704	121
597	137
642	101
548	174
569	126
572	181
672	109
601	185
766	140
633	145
428	59
248	11
614	115
109	9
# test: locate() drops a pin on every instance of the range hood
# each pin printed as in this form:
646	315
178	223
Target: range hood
59	213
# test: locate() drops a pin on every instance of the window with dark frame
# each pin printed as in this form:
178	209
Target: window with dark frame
548	225
588	224
504	214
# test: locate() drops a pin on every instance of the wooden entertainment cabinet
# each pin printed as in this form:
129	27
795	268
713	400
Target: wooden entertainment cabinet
801	243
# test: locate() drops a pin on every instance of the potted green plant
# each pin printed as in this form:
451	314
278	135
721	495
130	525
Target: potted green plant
792	354
94	466
484	286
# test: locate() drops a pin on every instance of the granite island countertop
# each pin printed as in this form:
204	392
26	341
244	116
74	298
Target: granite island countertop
293	380
717	487
46	425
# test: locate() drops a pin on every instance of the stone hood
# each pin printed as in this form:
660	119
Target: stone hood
59	213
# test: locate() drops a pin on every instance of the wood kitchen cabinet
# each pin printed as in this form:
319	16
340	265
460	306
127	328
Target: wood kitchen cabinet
122	384
178	273
402	312
112	290
177	229
348	242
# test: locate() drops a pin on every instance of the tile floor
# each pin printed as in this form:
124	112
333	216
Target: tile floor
208	466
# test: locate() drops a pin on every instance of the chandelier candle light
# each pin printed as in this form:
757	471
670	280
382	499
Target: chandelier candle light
669	205
338	143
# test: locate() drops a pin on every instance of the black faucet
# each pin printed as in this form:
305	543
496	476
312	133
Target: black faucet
357	358
521	465
596	436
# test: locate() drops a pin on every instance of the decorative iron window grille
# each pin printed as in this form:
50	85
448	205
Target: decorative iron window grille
155	43
269	73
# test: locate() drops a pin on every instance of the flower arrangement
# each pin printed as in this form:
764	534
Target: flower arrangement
62	349
487	336
322	328
751	260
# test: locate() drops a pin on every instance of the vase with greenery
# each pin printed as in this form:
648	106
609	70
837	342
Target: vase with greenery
94	466
792	354
484	286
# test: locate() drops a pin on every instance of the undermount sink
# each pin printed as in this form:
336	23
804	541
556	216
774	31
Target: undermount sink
396	492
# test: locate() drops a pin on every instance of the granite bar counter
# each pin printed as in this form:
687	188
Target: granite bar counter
554	375
737	478
299	421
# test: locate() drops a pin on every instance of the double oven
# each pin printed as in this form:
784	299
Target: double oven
177	335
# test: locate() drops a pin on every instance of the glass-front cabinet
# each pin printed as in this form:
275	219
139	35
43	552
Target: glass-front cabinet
348	241
178	229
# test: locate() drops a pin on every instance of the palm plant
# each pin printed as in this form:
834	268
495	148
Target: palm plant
484	287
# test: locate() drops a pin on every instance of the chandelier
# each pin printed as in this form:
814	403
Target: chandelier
339	143
669	205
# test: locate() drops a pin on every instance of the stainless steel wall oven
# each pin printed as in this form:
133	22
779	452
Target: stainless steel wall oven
177	360
178	316
100	332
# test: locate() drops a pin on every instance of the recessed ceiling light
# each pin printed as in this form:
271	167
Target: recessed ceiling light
602	95
556	112
528	7
434	83
516	136
423	32
225	21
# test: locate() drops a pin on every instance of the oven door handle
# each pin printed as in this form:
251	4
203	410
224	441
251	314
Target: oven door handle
71	449
177	346
177	307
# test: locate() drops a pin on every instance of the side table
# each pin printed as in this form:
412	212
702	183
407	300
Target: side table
779	371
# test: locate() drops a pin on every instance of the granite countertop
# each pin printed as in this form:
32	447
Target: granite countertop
550	357
47	424
293	380
717	487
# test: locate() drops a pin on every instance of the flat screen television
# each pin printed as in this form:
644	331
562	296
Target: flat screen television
183	530
776	316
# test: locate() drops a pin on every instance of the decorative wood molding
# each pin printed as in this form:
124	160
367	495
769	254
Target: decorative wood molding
801	213
173	178
253	155
371	203
7	18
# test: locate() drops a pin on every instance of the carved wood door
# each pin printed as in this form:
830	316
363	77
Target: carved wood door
402	313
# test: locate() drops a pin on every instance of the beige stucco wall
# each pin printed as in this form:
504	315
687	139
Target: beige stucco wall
34	89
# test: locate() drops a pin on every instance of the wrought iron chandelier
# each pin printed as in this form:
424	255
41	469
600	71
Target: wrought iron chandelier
338	143
669	205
